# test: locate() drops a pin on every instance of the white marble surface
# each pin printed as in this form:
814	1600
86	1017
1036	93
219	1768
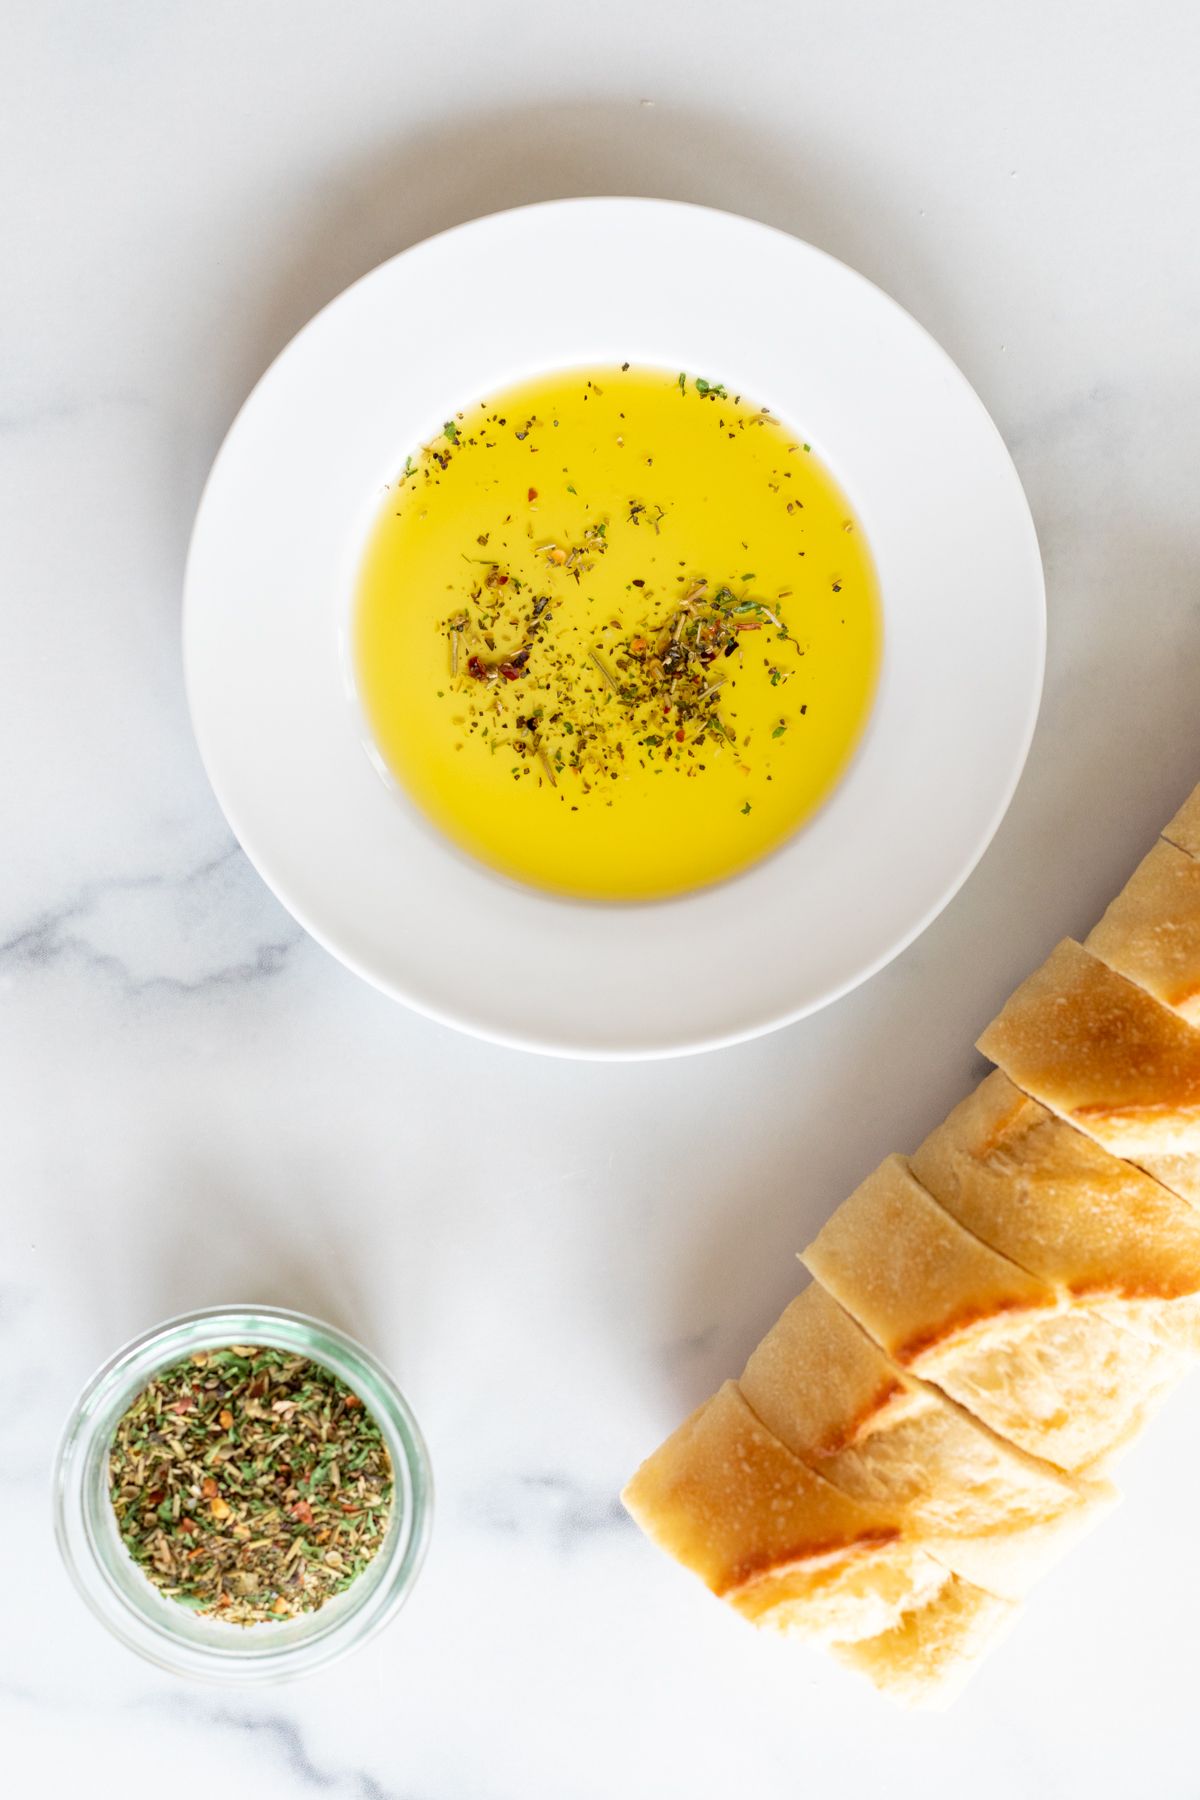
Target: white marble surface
197	1105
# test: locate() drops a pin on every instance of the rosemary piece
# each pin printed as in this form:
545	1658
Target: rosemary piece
250	1483
605	671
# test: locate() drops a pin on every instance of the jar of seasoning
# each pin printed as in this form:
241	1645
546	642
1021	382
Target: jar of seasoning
362	1575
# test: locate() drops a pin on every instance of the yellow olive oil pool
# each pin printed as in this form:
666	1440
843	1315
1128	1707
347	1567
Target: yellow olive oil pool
617	631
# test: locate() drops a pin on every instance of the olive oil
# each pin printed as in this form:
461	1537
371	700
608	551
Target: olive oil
617	632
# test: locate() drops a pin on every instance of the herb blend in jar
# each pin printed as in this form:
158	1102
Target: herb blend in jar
250	1483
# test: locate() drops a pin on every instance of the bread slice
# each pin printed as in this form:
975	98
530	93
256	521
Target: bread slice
929	1656
1065	1384
1093	1227
1184	828
762	1530
1151	932
1107	1057
985	1509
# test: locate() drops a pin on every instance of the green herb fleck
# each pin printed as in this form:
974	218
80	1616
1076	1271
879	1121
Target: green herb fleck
269	1531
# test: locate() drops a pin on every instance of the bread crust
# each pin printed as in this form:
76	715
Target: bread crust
1060	1381
771	1536
1105	1056
1151	932
916	1279
918	1436
1054	1200
984	1508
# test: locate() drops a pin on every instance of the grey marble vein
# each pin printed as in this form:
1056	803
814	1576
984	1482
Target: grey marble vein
213	926
187	185
286	1742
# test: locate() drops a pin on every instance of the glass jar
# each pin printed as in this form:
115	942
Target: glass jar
199	1645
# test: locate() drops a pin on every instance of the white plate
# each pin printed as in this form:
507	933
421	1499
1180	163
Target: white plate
295	490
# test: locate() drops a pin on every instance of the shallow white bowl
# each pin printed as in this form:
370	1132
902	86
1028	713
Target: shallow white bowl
296	488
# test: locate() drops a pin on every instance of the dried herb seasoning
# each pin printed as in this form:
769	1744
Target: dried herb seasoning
250	1483
582	667
656	693
657	687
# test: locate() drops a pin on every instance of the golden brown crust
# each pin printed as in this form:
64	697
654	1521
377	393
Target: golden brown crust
1057	1202
790	1557
982	1507
912	1275
1103	1054
1179	1173
765	1532
728	1500
1151	932
821	1385
1062	1382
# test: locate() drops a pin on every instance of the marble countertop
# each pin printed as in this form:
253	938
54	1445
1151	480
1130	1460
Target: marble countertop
198	1105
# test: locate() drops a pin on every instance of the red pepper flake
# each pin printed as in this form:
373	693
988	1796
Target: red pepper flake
353	1400
475	667
303	1511
510	671
533	493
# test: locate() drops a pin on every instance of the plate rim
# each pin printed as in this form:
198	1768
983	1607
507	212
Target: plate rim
664	1047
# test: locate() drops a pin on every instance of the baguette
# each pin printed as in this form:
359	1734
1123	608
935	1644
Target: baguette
984	1509
927	1658
1095	1228
1151	932
1064	1384
919	1434
782	1545
1108	1058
